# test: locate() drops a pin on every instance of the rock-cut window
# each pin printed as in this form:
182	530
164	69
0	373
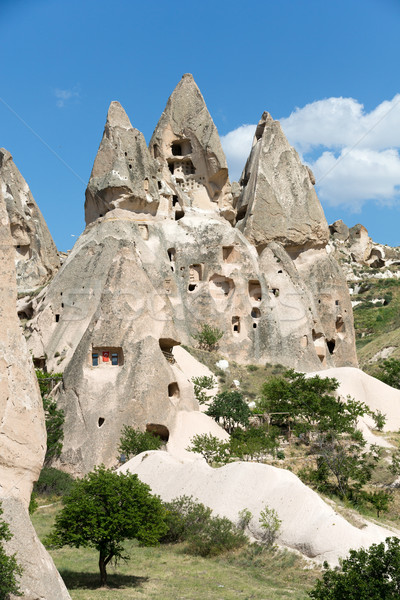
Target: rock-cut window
95	360
114	358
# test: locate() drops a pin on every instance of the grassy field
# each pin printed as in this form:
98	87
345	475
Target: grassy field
167	573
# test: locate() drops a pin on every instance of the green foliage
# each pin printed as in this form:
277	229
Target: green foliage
33	503
328	425
208	337
217	535
254	443
53	482
231	409
105	508
390	373
133	441
344	457
205	535
211	448
244	518
10	570
54	417
394	467
200	385
372	574
380	419
270	524
379	499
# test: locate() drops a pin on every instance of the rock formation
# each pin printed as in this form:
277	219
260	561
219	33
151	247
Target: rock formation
160	256
35	254
278	201
22	429
309	525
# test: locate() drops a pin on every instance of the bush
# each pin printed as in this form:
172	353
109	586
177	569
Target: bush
208	337
379	418
53	482
390	372
10	570
270	524
210	447
217	535
183	516
372	574
200	385
192	522
54	417
133	442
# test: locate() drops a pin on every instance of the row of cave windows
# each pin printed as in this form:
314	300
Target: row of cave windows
106	358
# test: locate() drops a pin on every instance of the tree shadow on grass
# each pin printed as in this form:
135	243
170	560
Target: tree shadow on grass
74	580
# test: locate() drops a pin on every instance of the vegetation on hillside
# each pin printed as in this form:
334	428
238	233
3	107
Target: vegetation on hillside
10	570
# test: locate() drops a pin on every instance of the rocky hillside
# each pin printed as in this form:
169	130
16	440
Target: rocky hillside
373	274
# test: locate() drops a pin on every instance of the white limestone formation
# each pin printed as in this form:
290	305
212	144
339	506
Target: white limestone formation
22	433
35	255
160	257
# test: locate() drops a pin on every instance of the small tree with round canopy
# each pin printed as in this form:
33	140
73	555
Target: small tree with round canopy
105	508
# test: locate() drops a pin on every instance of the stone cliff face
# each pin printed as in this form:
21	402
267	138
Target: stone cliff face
160	256
35	255
22	432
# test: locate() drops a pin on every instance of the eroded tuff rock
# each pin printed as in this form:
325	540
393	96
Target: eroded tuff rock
123	174
22	433
278	201
187	147
146	275
35	254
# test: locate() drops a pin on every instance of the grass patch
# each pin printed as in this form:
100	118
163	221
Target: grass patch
167	572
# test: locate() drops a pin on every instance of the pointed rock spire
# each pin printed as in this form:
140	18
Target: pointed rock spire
36	257
187	145
124	175
278	201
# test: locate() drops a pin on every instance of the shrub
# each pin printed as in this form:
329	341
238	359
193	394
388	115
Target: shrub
53	482
372	574
10	570
379	418
205	535
217	535
390	372
210	447
270	524
200	385
208	337
54	417
133	441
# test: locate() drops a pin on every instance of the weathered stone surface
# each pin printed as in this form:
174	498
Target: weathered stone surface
360	243
35	254
187	146
123	174
22	433
278	202
339	230
137	283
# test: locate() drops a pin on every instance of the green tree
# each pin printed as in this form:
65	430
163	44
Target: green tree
10	570
54	417
231	409
372	574
200	385
390	372
208	337
133	441
254	443
102	510
210	447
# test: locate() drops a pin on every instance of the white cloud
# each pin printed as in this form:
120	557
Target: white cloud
64	95
354	154
340	122
237	146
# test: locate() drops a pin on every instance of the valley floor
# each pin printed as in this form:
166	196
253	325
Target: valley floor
166	572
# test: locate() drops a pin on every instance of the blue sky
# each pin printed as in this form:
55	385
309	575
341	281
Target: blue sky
326	69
